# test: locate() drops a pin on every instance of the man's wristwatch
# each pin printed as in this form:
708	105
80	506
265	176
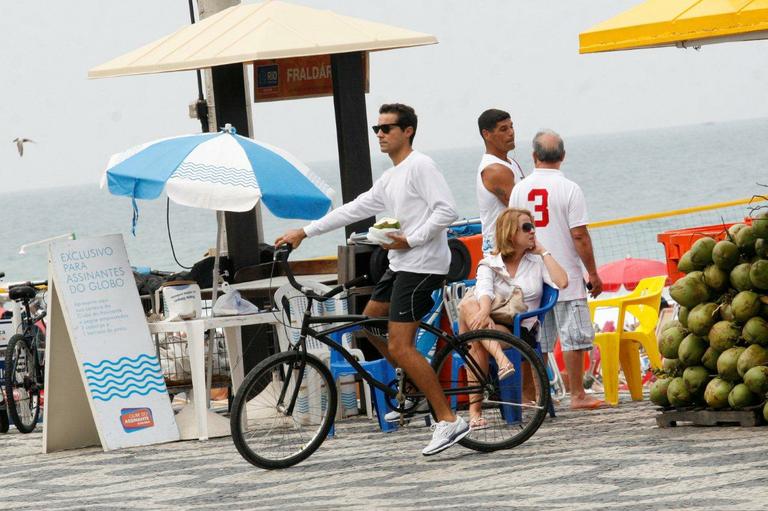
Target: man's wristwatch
546	253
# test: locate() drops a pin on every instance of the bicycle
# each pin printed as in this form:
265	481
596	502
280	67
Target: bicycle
293	391
4	423
25	359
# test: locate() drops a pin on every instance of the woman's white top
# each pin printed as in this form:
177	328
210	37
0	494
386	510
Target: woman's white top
489	205
493	280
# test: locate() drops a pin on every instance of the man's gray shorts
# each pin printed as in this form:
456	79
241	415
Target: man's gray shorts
570	321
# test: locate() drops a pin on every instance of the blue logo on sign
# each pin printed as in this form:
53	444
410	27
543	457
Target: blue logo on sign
266	76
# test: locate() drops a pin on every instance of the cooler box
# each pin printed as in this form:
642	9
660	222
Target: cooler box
677	242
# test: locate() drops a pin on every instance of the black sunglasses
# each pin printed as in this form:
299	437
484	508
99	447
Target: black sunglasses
385	127
528	227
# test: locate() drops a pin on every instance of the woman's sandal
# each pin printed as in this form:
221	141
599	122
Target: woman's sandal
478	422
506	371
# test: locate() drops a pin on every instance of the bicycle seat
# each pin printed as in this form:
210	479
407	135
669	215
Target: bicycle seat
22	293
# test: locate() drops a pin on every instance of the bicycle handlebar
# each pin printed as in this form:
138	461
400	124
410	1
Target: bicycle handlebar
281	255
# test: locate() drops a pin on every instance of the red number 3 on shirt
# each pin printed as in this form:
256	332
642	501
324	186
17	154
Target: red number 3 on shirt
540	199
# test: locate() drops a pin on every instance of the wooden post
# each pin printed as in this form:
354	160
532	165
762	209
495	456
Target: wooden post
351	129
229	102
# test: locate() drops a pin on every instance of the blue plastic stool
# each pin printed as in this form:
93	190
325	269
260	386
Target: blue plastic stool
378	369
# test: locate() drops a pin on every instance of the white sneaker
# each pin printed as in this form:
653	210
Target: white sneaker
421	408
446	434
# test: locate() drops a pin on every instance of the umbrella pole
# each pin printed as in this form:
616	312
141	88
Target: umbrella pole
214	296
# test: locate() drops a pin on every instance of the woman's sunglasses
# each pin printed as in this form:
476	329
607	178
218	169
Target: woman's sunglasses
528	227
385	127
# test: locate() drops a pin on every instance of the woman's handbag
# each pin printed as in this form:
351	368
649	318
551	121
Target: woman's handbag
504	310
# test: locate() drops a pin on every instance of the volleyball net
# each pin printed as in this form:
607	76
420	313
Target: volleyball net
637	236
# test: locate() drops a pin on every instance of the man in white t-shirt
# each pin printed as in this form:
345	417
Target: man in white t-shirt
560	217
415	192
497	173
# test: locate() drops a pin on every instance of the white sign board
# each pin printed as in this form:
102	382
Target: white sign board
6	331
97	330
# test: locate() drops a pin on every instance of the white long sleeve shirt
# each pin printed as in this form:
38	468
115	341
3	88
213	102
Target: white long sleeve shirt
416	193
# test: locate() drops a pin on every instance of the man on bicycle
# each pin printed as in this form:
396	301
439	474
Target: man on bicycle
416	193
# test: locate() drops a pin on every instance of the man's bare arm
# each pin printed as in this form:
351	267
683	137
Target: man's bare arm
583	243
499	180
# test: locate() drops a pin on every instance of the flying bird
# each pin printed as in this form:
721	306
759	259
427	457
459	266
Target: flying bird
19	141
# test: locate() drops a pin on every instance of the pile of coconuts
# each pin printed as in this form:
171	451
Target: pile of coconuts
716	352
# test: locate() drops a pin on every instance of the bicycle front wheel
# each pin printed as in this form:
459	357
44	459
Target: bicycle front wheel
283	410
22	390
498	383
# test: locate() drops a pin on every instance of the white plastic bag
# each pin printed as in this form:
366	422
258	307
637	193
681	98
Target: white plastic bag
232	304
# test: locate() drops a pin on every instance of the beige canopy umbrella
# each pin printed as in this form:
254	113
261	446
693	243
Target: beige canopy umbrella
682	23
265	30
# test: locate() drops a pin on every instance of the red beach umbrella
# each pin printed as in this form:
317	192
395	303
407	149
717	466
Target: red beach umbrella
628	272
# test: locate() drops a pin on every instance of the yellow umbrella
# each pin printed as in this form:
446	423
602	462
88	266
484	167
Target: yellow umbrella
681	23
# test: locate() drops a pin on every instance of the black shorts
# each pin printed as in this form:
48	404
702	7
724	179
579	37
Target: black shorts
409	294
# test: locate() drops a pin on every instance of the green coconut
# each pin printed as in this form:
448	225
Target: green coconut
716	393
761	248
682	316
723	335
725	255
689	292
697	274
754	355
678	394
745	240
716	278
659	391
735	228
696	378
740	397
670	341
727	364
745	305
758	274
739	277
760	224
685	264
670	324
691	350
757	380
755	331
765	412
702	317
671	366
701	251
709	360
726	312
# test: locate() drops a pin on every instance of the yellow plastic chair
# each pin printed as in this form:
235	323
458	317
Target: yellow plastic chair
622	348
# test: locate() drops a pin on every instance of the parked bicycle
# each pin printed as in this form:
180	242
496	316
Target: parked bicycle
3	408
25	359
273	426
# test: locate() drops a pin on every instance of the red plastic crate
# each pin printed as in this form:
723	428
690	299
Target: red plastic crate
678	241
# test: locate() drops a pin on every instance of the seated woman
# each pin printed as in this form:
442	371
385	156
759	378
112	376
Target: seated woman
519	260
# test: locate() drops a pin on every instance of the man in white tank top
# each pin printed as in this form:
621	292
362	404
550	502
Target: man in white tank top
560	216
497	173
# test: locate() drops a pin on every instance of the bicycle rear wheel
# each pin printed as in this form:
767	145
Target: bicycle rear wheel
22	390
514	407
265	430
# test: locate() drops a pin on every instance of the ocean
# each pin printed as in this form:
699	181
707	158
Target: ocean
622	174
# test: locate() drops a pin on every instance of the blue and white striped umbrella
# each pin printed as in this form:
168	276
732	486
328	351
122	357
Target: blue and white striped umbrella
220	171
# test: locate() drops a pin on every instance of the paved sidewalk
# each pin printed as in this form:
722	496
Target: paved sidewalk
605	459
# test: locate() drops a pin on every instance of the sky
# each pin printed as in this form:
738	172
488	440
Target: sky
518	55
